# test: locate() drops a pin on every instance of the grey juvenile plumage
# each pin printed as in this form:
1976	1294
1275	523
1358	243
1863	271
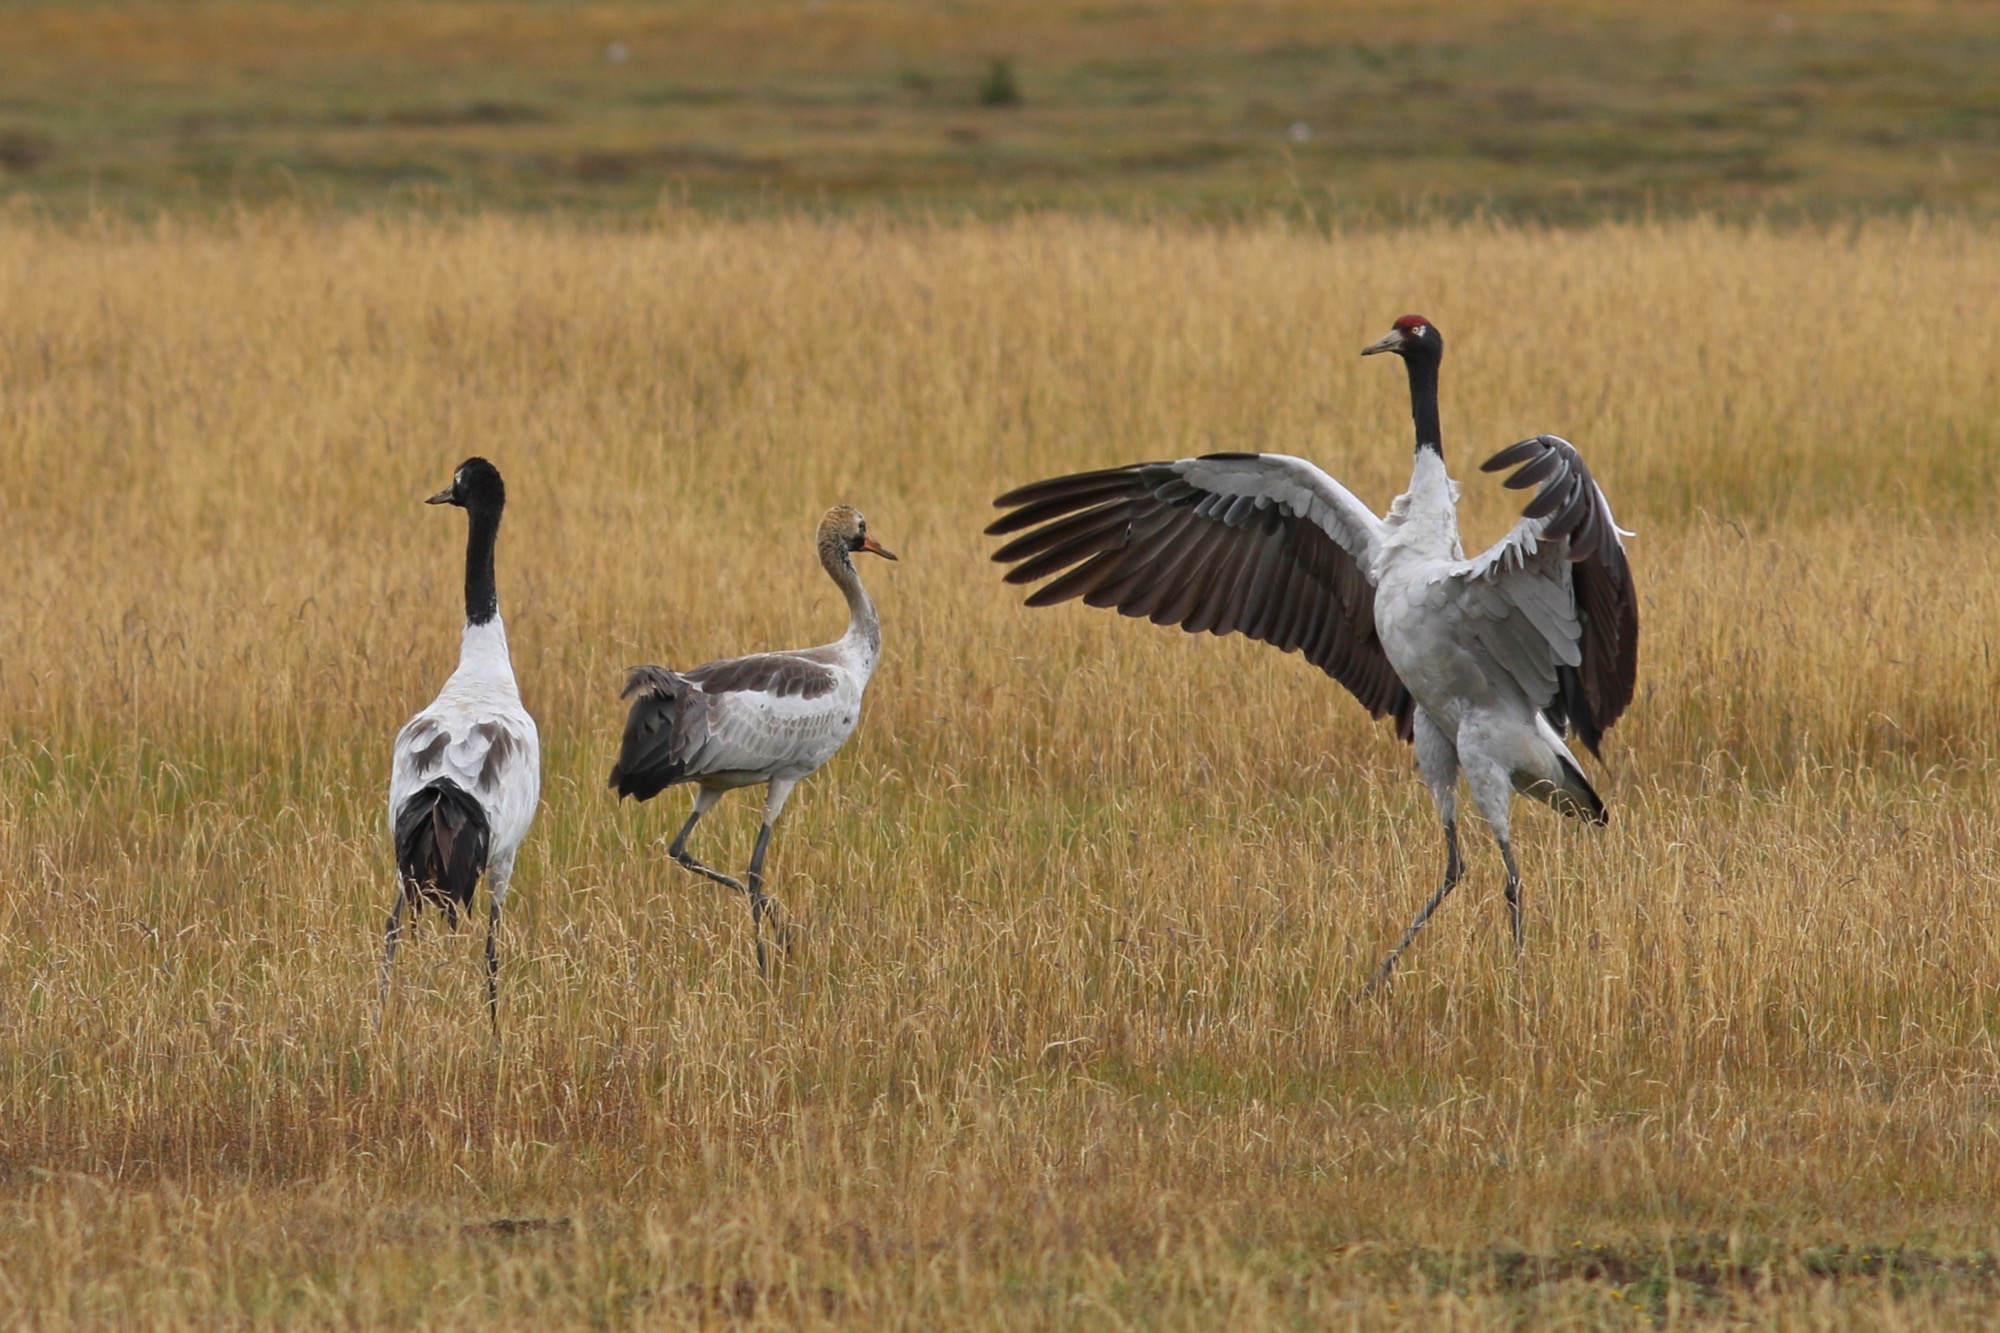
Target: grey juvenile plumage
769	718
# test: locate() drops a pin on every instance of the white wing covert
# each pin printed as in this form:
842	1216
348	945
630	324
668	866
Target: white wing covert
494	753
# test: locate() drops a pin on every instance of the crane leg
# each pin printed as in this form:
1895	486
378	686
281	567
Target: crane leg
493	968
390	939
1513	893
760	903
498	880
1454	870
704	801
763	905
1493	792
1437	760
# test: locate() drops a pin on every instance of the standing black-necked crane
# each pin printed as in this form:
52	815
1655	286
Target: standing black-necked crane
466	775
770	718
1485	663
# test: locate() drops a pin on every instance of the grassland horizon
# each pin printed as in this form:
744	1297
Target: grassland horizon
1071	1037
1349	109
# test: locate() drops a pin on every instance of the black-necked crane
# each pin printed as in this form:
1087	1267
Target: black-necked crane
466	774
768	719
1486	664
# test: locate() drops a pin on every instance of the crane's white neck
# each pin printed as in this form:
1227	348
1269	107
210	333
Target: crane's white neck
864	626
863	641
482	653
1423	521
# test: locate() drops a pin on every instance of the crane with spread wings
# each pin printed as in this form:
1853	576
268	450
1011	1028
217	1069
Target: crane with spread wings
1487	664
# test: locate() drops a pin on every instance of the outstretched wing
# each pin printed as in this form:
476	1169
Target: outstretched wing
1553	601
1263	545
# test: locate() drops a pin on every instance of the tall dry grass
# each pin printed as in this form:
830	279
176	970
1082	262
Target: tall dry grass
1069	1038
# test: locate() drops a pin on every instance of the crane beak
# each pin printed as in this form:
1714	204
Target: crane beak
443	497
1388	342
868	543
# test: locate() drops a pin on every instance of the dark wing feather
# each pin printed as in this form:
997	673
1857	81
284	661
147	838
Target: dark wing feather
664	730
782	675
1216	545
1572	509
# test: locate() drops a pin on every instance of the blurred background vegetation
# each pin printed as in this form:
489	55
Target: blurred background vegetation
1560	112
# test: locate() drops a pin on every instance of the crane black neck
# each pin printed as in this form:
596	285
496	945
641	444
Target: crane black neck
1422	363
482	597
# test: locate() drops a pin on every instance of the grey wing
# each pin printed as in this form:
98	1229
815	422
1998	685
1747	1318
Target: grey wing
1263	545
715	722
1554	601
780	675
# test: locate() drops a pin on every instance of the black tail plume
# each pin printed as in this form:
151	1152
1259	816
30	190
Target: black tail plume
1579	799
441	845
661	732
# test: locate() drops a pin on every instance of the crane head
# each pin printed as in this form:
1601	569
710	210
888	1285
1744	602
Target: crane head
845	529
475	485
1411	333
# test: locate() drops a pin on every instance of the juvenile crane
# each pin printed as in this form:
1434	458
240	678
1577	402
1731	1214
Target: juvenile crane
769	718
467	771
1486	664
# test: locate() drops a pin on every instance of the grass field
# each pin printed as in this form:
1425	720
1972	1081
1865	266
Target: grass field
1070	1038
1324	108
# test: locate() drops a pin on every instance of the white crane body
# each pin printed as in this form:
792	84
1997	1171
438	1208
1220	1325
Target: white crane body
465	774
477	734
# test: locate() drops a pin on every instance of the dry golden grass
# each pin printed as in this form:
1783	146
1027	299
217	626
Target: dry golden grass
1069	1040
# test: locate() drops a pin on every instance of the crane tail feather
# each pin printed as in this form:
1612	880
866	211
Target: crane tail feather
442	841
